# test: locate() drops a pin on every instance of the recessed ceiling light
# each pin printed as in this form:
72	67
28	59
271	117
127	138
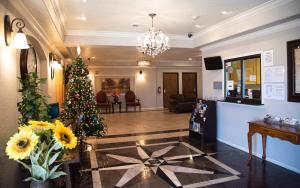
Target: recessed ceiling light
190	59
224	12
84	1
195	17
83	18
198	26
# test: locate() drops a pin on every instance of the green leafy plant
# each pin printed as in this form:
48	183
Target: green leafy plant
33	105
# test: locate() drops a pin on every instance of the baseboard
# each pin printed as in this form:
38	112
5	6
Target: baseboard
260	156
152	109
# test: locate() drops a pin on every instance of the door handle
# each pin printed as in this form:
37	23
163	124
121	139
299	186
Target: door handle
165	91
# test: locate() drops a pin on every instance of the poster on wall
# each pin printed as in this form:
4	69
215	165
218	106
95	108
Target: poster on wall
268	58
274	91
274	74
119	85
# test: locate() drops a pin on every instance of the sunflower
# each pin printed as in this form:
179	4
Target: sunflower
40	125
24	128
21	144
64	136
58	123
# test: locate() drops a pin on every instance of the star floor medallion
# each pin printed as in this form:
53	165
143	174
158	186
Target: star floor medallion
166	164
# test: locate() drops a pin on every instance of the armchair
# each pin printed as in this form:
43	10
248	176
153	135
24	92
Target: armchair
102	101
131	100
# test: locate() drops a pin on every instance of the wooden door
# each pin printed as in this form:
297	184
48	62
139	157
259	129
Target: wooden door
170	86
59	86
189	83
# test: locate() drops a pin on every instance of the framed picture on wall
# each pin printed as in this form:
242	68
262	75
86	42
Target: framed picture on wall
293	67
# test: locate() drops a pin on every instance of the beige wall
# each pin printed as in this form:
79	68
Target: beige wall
9	85
232	127
145	89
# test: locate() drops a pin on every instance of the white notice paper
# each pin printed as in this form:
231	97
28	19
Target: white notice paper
230	85
274	91
252	78
274	74
268	58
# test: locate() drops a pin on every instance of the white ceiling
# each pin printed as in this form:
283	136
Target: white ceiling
108	34
173	16
114	18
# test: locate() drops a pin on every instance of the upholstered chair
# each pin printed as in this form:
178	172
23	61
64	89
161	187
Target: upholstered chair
102	101
131	100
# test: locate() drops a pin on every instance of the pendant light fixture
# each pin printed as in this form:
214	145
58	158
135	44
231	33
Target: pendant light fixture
154	41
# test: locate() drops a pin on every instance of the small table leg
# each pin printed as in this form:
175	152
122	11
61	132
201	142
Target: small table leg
120	107
250	146
264	139
68	176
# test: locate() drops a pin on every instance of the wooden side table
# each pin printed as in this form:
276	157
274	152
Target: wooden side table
116	103
284	132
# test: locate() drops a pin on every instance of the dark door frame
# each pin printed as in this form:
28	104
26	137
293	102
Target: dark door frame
164	84
196	80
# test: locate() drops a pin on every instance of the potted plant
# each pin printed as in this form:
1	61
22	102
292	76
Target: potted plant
38	146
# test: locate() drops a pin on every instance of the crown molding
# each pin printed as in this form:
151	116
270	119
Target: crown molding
278	28
57	16
116	34
110	38
96	67
251	20
133	62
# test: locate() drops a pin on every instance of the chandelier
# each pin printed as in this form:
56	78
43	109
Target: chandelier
154	41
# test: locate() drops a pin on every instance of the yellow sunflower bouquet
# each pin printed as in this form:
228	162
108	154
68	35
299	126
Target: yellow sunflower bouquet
41	143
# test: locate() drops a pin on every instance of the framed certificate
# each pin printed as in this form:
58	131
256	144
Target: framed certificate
293	65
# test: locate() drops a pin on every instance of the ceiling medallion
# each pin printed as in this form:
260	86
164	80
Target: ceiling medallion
154	41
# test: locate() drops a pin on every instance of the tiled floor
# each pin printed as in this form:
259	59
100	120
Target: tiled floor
137	122
160	161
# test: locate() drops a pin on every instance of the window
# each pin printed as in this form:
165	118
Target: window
243	80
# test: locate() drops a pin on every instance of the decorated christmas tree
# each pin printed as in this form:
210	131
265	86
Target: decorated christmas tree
80	103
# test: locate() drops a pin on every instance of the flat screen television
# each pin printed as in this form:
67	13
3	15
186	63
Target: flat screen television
213	63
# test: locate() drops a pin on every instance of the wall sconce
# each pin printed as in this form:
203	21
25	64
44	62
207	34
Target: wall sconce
54	64
19	41
141	76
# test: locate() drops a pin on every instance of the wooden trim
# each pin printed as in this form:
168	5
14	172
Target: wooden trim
292	95
24	61
242	99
